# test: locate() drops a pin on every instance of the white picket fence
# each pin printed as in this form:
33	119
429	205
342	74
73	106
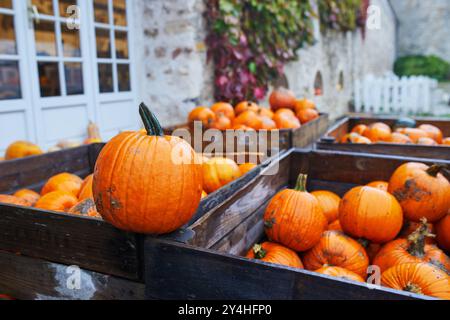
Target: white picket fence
393	95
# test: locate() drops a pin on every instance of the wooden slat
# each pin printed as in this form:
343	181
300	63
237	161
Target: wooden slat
310	132
33	279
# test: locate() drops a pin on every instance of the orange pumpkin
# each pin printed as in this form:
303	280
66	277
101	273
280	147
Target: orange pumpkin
275	253
426	142
418	278
28	195
360	129
267	123
86	188
362	140
443	233
85	208
339	272
249	119
221	123
218	172
223	108
63	182
301	104
446	141
140	186
286	119
295	218
335	226
329	202
246	106
7	199
411	250
22	149
378	132
242	127
59	201
282	98
202	114
264	112
382	185
399	138
371	214
432	132
413	133
246	168
423	192
307	115
337	250
350	138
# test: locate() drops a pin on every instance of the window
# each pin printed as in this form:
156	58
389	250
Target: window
340	84
112	48
318	84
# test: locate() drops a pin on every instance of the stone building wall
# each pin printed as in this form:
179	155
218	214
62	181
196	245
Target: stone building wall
174	77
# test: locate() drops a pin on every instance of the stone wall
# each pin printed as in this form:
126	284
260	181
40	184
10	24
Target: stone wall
423	27
174	76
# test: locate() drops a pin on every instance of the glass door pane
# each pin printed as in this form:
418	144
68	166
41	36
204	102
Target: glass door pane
6	4
7	35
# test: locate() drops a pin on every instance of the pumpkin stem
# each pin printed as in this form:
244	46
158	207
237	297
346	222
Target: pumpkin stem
413	288
259	252
151	123
434	170
416	240
301	182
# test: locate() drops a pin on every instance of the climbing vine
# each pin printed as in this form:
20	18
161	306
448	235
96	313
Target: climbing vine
342	15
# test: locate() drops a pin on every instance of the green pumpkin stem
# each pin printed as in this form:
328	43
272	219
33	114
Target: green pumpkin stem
434	170
259	252
301	183
151	123
416	240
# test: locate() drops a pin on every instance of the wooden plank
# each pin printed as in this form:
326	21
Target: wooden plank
310	132
33	279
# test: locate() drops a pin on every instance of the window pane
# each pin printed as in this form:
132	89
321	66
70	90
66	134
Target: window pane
70	41
101	11
123	74
44	6
121	45
103	43
120	13
105	77
7	35
49	79
44	32
6	4
9	80
63	5
74	78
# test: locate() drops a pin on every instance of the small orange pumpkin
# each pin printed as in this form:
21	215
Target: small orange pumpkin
28	195
370	214
400	138
267	123
446	142
426	142
378	132
85	208
382	185
286	119
275	253
413	133
342	273
202	114
329	202
362	140
63	182
423	192
222	122
7	199
432	132
307	115
264	112
418	278
86	188
218	172
301	104
249	119
282	98
360	129
246	168
246	106
223	108
295	218
443	233
22	149
337	250
59	201
350	138
242	127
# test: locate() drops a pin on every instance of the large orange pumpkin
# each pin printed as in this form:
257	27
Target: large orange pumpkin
60	201
378	132
223	108
423	192
63	182
329	202
432	132
339	272
382	185
202	114
411	250
275	253
307	115
85	208
371	214
7	199
86	188
28	195
282	98
218	172
295	218
246	106
418	278
335	249
22	149
443	233
147	183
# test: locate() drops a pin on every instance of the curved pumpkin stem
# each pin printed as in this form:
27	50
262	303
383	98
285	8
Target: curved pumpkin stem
416	240
151	123
434	170
413	288
259	252
301	182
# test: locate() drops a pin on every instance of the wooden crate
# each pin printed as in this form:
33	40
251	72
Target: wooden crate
298	138
344	125
36	246
208	263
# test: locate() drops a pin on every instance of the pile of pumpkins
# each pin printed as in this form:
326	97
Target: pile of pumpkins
379	132
286	112
402	227
64	192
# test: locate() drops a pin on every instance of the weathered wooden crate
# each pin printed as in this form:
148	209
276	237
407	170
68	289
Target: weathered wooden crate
330	141
207	263
287	139
37	247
